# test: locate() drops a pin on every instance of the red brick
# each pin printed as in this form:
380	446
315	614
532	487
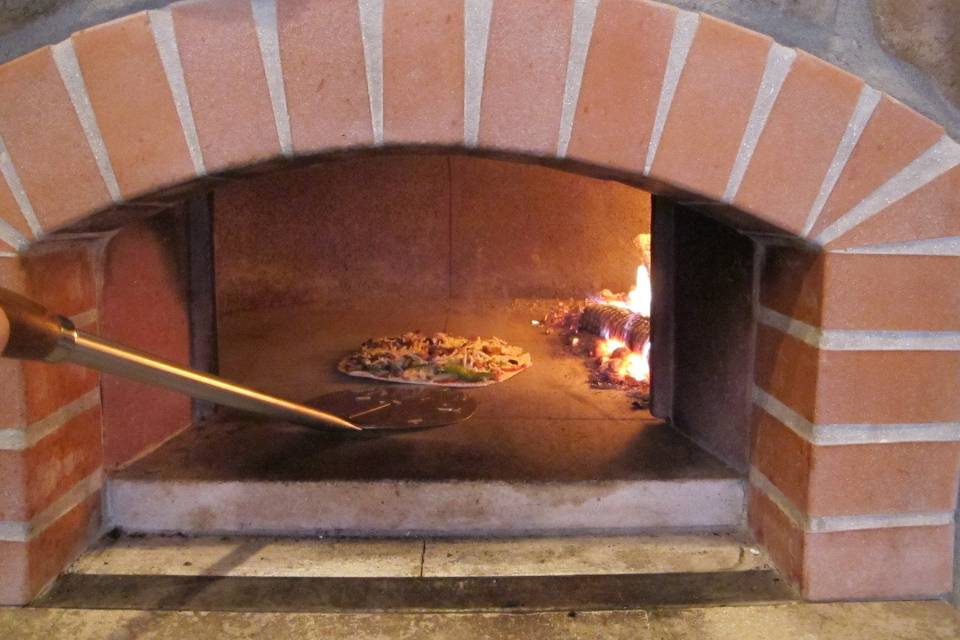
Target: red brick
888	387
11	214
884	478
224	73
856	387
12	403
621	83
782	456
144	305
891	292
798	142
862	291
423	72
15	569
60	543
721	77
525	74
27	567
899	562
49	387
787	369
46	142
35	477
839	480
133	105
893	137
791	283
782	538
932	211
62	276
324	74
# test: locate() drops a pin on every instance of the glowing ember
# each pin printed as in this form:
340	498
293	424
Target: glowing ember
637	365
605	348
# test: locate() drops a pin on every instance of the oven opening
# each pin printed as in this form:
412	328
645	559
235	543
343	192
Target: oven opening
588	342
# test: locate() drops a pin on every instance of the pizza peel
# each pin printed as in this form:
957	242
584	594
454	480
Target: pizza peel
28	331
385	409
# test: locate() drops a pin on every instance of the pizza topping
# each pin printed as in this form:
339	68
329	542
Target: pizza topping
438	358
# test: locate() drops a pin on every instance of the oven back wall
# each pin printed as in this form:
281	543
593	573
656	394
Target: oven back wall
422	227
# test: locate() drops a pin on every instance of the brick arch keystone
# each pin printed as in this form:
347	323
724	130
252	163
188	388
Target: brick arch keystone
856	442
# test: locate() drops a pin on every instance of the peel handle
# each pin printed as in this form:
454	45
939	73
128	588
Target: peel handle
29	332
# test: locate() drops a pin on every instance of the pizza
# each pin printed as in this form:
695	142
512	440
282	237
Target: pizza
437	359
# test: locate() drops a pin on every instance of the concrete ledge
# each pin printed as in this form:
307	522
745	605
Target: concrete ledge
423	508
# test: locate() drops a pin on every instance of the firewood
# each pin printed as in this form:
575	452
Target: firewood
608	321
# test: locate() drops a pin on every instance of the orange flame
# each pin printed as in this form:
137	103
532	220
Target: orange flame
640	297
634	365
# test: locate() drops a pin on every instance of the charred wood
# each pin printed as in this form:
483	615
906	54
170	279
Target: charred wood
608	321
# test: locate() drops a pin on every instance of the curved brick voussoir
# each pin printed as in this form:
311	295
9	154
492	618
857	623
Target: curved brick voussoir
930	212
798	143
679	101
133	104
226	83
710	110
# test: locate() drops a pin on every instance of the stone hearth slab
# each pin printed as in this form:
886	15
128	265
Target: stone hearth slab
260	556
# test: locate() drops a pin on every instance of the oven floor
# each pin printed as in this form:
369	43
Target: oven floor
293	351
544	452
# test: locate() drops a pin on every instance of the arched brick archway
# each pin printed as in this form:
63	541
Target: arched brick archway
857	414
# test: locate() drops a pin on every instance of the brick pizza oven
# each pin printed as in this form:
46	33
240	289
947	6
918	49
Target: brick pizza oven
178	179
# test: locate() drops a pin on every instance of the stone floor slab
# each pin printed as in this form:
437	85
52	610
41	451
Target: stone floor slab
590	555
842	621
252	557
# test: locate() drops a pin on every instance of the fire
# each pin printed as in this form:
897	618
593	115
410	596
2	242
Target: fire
625	363
605	348
640	297
637	365
630	364
613	328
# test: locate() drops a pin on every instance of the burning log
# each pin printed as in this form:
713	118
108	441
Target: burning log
608	321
